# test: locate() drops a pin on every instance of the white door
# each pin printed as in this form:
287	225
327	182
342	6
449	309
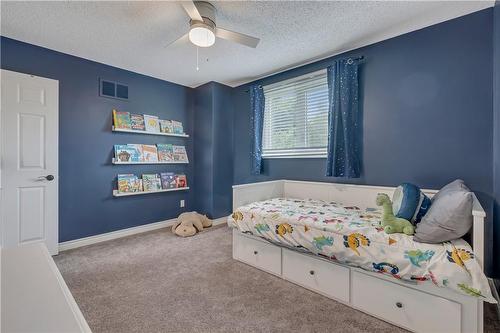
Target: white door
29	163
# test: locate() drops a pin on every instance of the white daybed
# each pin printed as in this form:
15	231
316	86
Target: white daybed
420	308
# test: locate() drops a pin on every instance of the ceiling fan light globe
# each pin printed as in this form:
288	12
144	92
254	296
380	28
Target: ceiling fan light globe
202	36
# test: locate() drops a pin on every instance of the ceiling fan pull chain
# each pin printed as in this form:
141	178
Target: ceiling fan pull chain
197	59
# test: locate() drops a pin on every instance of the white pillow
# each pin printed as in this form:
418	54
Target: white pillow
449	217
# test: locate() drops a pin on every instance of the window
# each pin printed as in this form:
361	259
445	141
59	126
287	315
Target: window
296	117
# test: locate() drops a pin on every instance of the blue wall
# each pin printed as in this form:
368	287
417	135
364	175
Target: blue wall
427	108
223	150
213	142
86	206
496	142
204	146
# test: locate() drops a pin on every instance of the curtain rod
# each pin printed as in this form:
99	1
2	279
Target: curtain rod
349	60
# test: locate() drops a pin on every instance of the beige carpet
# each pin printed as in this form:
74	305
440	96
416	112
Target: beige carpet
157	282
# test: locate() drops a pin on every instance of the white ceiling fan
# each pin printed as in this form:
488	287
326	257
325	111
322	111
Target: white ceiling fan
203	28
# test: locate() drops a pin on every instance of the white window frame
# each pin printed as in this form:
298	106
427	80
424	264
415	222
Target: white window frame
296	153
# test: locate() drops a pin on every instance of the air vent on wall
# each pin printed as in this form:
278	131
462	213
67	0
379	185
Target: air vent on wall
113	89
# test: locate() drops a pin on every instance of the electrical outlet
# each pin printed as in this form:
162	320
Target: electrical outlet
182	203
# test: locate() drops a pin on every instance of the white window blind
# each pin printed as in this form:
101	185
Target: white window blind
296	117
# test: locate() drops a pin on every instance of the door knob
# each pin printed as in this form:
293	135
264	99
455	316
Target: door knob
48	177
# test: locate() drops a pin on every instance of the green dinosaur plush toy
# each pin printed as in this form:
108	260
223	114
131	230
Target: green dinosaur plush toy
391	223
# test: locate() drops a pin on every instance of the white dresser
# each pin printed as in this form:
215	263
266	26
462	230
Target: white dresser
35	297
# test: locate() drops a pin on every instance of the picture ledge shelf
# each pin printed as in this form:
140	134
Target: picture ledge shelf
183	135
126	194
114	161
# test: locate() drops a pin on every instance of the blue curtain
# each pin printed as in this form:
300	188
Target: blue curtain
344	158
257	104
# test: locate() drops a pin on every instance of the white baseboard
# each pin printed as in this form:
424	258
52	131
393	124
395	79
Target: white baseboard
73	244
220	220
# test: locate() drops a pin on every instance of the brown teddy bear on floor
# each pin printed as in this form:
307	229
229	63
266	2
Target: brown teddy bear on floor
188	224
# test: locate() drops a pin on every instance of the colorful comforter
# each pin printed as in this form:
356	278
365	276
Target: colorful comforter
353	236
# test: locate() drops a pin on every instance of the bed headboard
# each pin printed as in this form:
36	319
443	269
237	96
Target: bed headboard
362	196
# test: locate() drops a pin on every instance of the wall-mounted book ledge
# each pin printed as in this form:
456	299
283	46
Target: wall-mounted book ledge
115	161
183	135
125	194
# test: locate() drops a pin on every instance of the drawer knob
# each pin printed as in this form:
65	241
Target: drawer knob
311	272
255	252
399	305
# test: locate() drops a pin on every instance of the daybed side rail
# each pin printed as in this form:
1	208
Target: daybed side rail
248	193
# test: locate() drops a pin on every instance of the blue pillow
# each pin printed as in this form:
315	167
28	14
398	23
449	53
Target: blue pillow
410	203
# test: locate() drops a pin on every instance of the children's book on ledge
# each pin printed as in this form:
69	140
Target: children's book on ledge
147	123
180	181
166	126
177	127
130	183
152	123
129	153
121	119
149	153
165	152
168	180
151	182
137	122
179	153
161	152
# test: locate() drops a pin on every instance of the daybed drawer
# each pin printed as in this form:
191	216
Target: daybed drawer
257	253
324	277
406	307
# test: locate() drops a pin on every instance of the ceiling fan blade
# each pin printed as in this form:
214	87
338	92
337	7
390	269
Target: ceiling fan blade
183	38
237	37
191	10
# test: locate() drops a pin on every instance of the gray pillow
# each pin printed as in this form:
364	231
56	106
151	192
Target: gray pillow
449	217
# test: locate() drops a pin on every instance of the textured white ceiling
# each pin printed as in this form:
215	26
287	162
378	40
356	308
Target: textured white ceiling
133	34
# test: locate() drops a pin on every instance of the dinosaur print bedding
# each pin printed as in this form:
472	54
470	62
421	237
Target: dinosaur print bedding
353	236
